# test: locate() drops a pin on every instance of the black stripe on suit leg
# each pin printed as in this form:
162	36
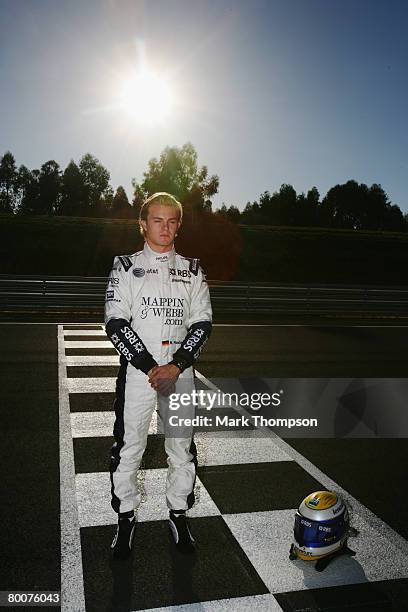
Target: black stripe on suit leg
118	429
191	496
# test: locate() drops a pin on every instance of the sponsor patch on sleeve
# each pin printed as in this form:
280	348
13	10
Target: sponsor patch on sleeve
126	262
194	266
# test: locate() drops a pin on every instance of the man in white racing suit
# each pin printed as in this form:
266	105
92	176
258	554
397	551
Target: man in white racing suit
158	316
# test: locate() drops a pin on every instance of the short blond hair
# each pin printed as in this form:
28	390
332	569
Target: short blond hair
163	198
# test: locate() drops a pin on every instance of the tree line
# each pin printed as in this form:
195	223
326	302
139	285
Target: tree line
83	189
351	205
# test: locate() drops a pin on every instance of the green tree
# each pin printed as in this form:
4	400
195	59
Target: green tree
280	208
267	212
378	207
177	173
287	204
73	192
96	181
49	182
395	220
8	182
307	208
252	214
120	206
22	185
312	205
355	206
105	203
232	213
30	200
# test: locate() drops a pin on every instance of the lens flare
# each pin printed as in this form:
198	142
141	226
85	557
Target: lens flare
146	97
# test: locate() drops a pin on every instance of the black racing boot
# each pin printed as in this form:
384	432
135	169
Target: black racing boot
122	542
180	531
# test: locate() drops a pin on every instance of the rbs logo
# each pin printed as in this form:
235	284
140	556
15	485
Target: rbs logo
183	273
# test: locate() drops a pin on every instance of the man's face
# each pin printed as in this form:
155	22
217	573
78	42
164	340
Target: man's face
161	226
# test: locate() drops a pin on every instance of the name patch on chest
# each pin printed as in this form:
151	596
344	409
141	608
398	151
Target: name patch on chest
170	309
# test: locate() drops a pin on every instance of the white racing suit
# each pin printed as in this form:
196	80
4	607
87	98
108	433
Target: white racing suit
157	309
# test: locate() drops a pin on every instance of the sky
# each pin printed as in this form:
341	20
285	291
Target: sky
306	92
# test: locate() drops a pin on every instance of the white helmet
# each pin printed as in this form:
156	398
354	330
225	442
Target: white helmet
321	526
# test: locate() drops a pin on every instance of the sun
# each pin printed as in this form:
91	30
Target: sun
146	97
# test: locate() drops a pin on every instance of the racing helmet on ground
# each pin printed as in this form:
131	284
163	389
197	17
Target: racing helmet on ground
321	526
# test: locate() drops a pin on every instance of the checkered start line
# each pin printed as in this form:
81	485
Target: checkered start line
247	490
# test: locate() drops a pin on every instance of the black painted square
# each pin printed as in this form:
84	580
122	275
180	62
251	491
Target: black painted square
93	454
381	596
91	402
83	327
87	338
157	575
257	487
90	351
92	371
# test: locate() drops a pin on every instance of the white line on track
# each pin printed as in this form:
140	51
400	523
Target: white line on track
72	582
93	360
88	344
84	332
91	385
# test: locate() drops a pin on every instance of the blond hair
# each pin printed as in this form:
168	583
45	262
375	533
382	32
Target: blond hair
163	198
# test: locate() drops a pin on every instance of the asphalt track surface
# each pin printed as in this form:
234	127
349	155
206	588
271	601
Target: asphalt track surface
307	351
373	471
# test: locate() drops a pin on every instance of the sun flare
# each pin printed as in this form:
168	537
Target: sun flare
146	97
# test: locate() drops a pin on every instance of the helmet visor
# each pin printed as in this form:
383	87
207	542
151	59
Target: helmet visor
314	533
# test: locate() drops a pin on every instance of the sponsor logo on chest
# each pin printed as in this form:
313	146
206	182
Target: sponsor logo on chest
170	309
182	273
139	272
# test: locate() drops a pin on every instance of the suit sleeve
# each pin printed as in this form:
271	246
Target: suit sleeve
199	325
117	320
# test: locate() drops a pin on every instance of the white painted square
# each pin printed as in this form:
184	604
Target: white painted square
266	538
232	447
93	492
99	424
87	344
84	332
91	385
92	360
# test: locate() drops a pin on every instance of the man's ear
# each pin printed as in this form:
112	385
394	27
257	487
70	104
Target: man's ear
143	225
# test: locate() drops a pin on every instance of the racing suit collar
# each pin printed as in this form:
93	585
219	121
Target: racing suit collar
158	258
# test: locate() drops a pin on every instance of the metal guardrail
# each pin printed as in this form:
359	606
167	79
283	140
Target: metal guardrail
86	294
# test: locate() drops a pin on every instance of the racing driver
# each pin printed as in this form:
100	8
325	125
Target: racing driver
158	316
